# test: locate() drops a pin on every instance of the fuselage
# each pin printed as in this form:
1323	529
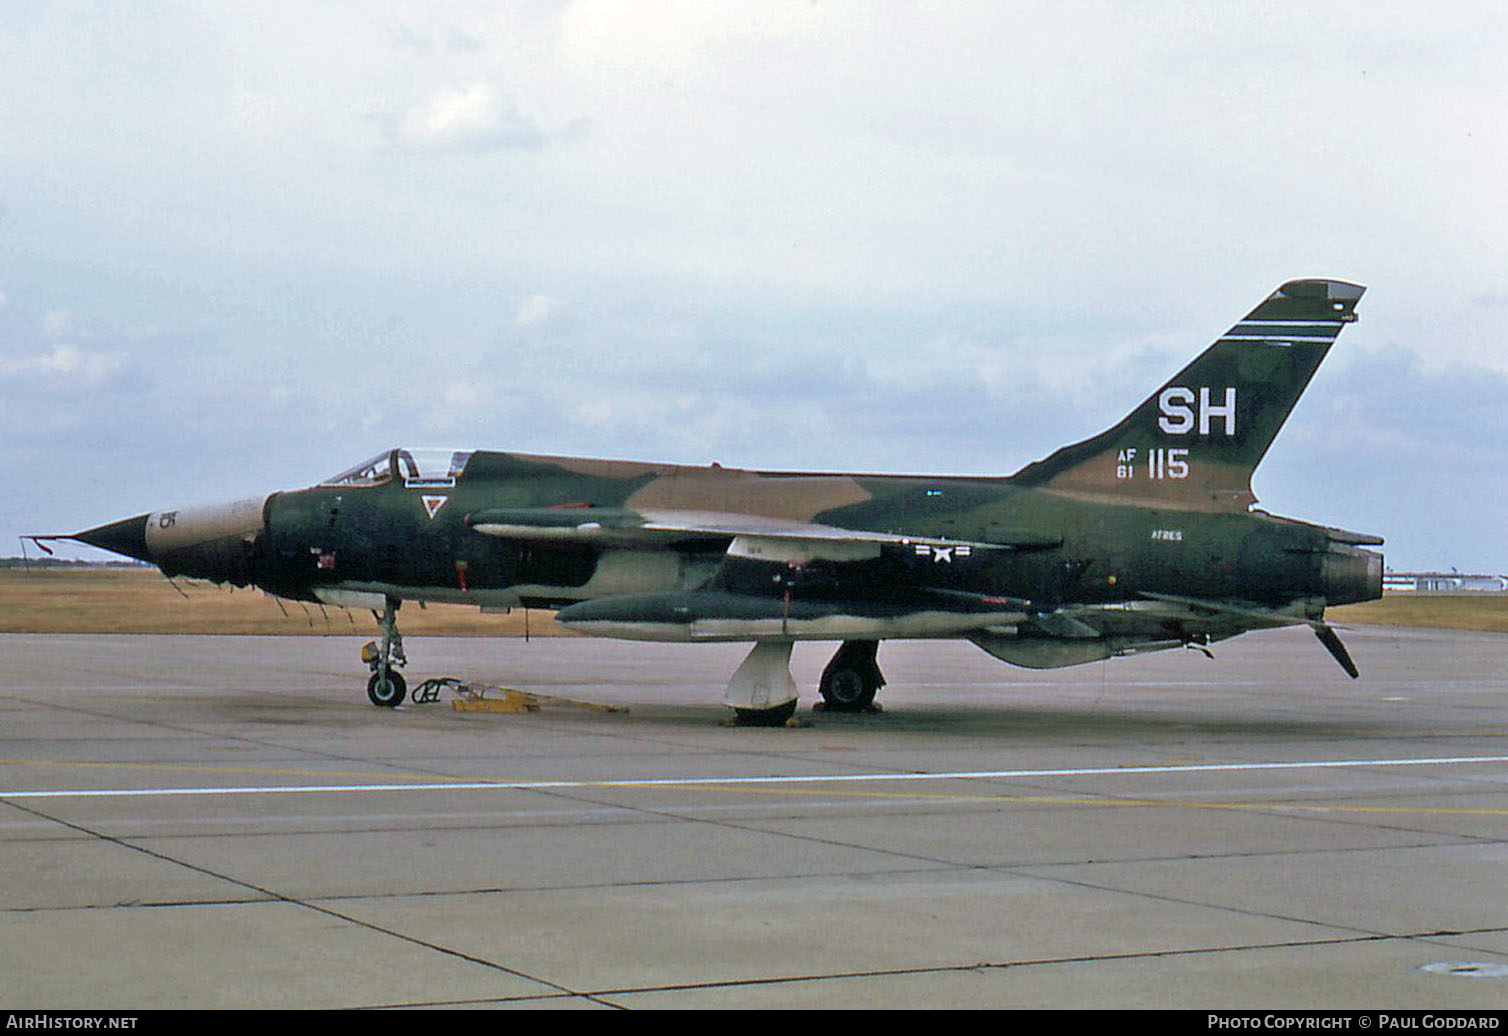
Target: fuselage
413	538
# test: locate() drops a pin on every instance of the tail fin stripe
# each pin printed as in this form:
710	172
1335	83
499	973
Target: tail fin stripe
1293	323
1248	334
1284	332
1278	339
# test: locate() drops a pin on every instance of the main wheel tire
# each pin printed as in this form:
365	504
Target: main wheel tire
846	689
387	691
779	716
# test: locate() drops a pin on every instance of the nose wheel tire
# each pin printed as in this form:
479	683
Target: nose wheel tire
387	690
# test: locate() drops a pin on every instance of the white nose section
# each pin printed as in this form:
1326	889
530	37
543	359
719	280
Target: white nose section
170	531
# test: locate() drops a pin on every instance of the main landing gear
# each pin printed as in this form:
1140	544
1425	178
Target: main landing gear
763	694
387	687
852	678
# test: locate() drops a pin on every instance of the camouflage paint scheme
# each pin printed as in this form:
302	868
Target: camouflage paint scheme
1141	538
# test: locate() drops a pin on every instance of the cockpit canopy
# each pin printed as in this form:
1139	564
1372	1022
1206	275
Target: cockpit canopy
417	467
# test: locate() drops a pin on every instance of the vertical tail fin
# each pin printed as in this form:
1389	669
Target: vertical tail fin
1196	441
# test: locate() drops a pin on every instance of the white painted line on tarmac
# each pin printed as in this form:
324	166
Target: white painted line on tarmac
686	782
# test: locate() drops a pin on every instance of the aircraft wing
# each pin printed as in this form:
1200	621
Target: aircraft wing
741	535
765	587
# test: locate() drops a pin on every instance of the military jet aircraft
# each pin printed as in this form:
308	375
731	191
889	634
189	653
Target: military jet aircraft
1142	538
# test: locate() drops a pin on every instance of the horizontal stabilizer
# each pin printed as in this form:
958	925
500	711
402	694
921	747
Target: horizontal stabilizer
1342	536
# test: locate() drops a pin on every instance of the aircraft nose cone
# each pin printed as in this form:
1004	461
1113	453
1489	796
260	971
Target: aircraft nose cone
214	541
127	536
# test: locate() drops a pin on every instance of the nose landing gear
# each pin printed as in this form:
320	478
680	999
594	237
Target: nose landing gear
386	688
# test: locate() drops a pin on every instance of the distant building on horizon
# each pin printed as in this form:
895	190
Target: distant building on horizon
1443	582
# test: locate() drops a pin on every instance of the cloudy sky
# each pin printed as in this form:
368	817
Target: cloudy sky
244	246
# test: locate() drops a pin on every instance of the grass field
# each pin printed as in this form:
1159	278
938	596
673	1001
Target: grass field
1487	612
138	600
106	600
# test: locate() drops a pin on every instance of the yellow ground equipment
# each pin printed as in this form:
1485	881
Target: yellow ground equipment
477	697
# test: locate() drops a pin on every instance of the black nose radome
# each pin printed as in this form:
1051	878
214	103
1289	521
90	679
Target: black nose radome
127	536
